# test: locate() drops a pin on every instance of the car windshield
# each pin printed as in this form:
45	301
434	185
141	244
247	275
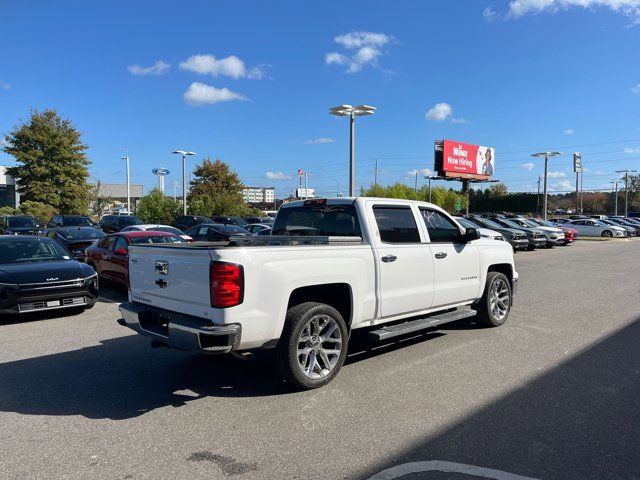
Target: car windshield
510	224
466	223
129	220
167	229
530	223
81	233
77	221
323	220
31	250
232	229
156	239
490	223
545	223
21	222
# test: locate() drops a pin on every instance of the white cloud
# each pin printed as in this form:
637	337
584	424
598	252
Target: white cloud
460	120
277	176
366	48
563	185
558	174
636	89
569	131
421	173
5	86
158	68
489	14
230	66
519	8
632	150
439	112
528	166
203	94
316	141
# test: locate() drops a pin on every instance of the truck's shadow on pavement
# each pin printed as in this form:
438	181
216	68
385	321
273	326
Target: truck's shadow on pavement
124	378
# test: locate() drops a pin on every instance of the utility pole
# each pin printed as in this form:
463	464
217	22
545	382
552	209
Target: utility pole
416	183
126	159
626	189
581	189
375	174
615	195
429	188
306	188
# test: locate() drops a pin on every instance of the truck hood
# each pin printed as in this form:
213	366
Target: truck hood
40	272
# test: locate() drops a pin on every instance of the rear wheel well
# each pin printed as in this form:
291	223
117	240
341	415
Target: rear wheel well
337	295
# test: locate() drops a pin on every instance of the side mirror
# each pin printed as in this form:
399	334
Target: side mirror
471	234
120	251
78	255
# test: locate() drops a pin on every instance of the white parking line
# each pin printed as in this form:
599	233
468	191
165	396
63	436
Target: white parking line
449	467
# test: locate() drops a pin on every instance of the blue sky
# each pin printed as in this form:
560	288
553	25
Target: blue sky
251	82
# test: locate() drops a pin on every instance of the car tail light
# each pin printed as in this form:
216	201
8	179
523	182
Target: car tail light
226	284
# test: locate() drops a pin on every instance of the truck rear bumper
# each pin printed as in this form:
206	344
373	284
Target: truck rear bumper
180	331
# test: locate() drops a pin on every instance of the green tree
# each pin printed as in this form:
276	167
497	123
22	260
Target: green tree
216	190
41	211
445	198
52	167
156	208
497	190
6	210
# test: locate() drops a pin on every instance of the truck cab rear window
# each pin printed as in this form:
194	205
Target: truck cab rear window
318	220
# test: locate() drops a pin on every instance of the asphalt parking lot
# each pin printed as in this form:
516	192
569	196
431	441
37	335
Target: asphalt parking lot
553	394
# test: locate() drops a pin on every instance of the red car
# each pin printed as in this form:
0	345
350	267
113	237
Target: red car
110	255
570	234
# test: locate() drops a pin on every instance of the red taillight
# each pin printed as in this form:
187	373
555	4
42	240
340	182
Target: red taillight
226	284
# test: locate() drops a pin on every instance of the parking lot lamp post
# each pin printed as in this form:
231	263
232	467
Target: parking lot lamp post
546	156
126	159
184	154
626	189
615	194
352	112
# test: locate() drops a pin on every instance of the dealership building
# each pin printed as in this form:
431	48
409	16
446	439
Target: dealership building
8	195
117	193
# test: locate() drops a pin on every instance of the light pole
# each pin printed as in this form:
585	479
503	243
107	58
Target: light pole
352	112
431	178
184	154
546	156
615	194
626	189
126	159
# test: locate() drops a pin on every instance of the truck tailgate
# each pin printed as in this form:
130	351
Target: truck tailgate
174	279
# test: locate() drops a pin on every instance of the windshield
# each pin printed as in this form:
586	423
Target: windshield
510	224
158	239
530	223
323	220
489	223
546	223
129	220
81	233
21	222
77	221
232	229
466	223
32	250
167	229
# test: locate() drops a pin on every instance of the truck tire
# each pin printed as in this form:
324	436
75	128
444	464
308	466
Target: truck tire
313	345
495	304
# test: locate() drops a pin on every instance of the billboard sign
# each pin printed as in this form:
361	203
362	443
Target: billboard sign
459	159
577	162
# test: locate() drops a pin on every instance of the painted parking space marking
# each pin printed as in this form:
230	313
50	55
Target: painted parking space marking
447	467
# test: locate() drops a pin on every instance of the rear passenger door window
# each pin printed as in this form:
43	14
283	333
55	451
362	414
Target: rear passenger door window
396	224
439	227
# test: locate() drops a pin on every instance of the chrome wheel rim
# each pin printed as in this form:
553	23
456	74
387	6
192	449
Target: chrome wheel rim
319	346
499	300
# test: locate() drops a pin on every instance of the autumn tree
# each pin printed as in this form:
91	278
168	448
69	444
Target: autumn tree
52	166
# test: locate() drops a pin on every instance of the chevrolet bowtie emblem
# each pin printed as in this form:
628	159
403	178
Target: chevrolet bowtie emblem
162	283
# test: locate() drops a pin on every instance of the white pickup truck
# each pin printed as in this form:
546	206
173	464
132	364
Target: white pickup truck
331	266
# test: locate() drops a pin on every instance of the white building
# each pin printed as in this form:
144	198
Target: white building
9	197
259	195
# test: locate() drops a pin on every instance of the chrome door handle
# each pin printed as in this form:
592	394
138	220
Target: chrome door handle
441	255
389	258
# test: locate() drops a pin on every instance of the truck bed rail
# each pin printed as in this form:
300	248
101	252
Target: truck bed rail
263	241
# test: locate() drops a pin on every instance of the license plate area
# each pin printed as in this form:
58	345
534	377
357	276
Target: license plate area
155	322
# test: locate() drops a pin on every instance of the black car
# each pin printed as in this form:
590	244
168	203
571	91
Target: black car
19	225
70	221
214	232
115	223
251	220
517	238
38	274
185	222
221	219
75	239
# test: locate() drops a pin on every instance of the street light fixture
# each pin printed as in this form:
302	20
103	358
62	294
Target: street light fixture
626	189
546	156
352	112
184	154
430	177
126	159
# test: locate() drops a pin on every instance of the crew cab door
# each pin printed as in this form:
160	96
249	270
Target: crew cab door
404	263
456	264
